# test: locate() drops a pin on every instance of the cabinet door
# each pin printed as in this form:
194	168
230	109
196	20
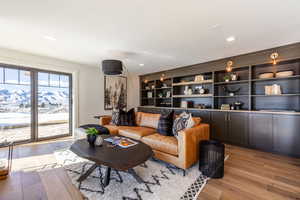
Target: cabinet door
219	126
286	134
204	115
238	128
260	131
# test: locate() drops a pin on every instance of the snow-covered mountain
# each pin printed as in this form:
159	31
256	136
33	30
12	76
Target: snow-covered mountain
21	97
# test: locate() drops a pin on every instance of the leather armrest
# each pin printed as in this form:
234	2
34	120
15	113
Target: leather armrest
188	143
105	120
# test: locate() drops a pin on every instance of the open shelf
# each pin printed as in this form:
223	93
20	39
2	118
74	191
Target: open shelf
232	82
193	96
235	96
193	83
279	95
147	89
165	88
278	78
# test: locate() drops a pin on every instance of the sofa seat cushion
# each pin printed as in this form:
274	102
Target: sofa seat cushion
113	129
135	132
166	144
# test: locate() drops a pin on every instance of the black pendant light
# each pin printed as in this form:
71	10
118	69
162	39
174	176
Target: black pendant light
112	67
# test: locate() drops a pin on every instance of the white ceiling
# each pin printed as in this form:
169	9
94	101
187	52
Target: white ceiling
162	34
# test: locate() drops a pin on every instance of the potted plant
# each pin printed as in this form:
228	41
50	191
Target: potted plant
92	134
227	78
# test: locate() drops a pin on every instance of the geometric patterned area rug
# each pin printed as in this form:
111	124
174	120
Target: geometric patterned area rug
161	181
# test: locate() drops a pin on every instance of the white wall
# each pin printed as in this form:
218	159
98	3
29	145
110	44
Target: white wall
88	83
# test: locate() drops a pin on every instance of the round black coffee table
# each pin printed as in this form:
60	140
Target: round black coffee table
122	159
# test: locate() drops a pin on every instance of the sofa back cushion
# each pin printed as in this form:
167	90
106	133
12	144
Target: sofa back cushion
149	120
138	117
197	120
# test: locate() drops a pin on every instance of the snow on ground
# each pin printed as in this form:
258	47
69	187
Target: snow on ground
16	126
18	134
11	119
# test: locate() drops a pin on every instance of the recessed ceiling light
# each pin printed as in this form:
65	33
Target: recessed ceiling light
230	39
215	26
141	64
47	37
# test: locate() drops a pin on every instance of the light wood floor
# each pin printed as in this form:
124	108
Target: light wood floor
26	184
249	174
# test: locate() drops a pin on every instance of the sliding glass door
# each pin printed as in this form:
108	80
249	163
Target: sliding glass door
15	105
53	104
34	104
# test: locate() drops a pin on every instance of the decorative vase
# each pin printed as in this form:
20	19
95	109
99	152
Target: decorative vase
149	94
91	139
234	77
186	88
276	90
99	141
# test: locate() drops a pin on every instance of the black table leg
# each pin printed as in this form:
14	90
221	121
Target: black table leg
87	173
134	174
107	176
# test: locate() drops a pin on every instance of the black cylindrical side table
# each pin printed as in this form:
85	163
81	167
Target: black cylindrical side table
211	161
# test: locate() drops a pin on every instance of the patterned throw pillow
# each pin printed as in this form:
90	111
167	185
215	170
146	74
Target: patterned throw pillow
165	124
115	117
183	121
127	118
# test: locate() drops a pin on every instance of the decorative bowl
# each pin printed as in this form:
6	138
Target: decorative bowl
284	74
266	75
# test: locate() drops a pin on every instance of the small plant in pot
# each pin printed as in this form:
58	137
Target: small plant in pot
92	134
227	78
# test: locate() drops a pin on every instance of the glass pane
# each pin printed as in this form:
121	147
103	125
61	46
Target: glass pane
11	76
1	75
24	77
43	79
54	80
53	111
64	81
15	110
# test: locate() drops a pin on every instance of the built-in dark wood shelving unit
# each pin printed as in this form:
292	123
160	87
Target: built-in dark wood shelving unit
248	89
264	122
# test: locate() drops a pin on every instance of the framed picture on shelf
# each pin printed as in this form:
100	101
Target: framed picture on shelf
115	92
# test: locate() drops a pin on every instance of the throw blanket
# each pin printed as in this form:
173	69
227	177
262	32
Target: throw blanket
102	130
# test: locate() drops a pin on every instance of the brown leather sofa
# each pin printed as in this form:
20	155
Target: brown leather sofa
182	152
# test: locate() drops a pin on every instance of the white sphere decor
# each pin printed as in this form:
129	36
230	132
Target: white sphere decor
99	141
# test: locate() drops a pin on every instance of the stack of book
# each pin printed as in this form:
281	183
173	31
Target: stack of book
121	141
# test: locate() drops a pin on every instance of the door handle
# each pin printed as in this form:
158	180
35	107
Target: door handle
225	116
229	118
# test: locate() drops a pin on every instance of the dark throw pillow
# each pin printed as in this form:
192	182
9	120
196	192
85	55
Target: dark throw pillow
165	124
127	118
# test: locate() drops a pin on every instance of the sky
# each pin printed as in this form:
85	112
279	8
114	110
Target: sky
15	76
